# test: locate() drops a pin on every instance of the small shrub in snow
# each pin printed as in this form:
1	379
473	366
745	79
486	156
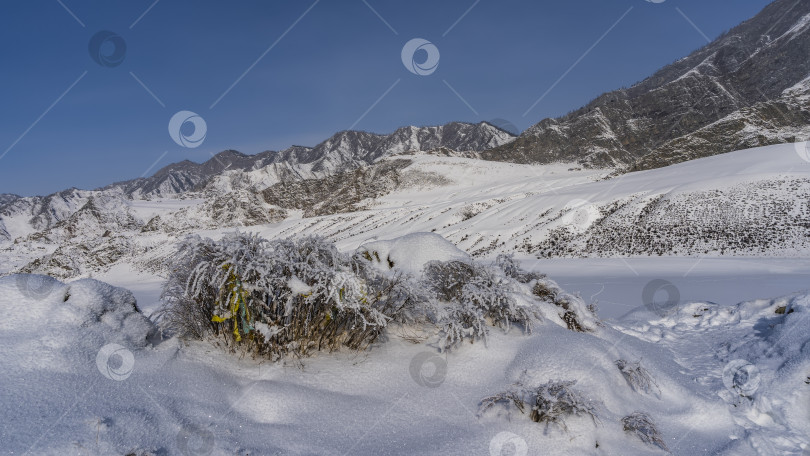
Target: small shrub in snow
281	297
573	311
642	426
295	297
506	399
637	377
447	278
477	297
557	400
512	269
550	403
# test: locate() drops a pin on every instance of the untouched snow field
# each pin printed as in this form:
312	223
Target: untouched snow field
83	372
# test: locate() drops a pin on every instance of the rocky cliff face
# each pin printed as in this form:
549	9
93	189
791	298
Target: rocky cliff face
651	123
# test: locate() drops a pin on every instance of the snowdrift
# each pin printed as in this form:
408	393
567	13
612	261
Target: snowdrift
82	372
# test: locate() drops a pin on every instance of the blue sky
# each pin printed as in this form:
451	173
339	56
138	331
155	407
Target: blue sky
68	121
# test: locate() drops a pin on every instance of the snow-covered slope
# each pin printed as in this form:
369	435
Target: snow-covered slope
747	202
83	373
752	202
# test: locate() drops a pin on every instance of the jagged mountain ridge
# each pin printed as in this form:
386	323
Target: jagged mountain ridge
231	170
753	63
344	150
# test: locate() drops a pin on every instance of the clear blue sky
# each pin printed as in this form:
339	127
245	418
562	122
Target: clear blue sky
319	78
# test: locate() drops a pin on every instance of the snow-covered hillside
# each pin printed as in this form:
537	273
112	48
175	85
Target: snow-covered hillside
747	203
753	202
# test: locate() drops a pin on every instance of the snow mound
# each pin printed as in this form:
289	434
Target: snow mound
411	252
47	324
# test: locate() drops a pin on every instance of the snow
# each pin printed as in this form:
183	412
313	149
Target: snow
411	252
83	372
86	376
298	287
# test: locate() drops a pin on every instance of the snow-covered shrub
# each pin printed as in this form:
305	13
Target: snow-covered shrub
557	400
400	296
294	297
550	403
280	297
476	297
447	278
638	377
573	311
512	269
642	426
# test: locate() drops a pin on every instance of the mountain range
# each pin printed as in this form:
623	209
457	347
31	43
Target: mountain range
749	88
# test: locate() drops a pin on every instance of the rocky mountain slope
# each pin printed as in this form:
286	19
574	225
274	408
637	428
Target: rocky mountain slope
741	77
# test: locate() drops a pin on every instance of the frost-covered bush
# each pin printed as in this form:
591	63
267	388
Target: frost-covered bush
638	377
280	297
447	278
557	400
475	297
572	309
513	397
294	297
642	426
510	267
550	403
